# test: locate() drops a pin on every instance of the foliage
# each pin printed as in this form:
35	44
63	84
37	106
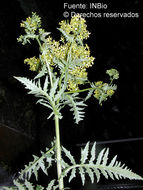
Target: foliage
91	165
61	77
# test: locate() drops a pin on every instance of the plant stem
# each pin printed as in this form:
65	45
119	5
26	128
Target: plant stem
58	154
49	70
78	91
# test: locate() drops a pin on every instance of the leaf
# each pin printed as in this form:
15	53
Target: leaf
42	72
68	154
97	173
39	187
45	88
54	88
29	185
114	170
89	95
99	158
59	93
91	174
82	174
93	154
76	106
39	162
113	161
67	37
44	103
50	186
18	185
59	63
105	157
84	153
73	174
33	87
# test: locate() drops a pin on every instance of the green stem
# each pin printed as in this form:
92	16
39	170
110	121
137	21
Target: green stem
49	70
78	91
58	154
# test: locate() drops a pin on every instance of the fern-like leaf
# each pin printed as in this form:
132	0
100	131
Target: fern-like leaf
93	153
82	174
97	166
76	106
68	154
33	87
84	154
25	185
43	163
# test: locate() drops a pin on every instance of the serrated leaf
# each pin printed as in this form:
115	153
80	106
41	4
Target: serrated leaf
64	164
103	171
29	185
18	185
33	87
97	173
41	73
91	174
105	157
93	153
73	174
82	174
76	107
45	88
36	164
59	93
43	167
99	158
50	186
54	88
84	153
68	154
89	95
113	161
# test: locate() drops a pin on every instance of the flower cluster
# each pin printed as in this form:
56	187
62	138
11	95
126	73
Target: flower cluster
31	24
31	27
53	49
79	74
76	27
33	62
80	54
113	73
103	91
69	55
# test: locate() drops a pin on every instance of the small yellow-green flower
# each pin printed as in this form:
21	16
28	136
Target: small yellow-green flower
110	92
76	27
99	84
97	94
72	86
31	24
113	73
33	62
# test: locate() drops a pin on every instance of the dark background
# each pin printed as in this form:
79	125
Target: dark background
115	42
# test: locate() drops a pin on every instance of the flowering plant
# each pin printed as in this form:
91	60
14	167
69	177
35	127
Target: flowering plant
61	76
